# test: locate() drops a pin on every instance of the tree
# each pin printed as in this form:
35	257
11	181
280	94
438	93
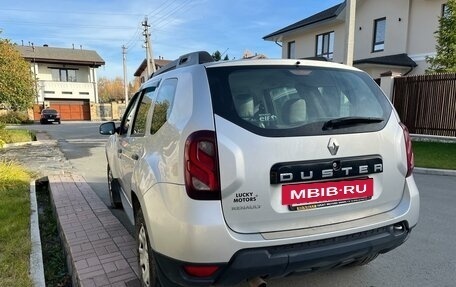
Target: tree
218	56
113	90
445	60
17	87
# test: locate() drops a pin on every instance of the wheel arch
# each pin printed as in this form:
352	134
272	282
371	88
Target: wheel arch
137	205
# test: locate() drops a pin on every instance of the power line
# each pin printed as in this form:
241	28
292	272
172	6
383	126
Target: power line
161	8
134	39
170	13
70	12
69	25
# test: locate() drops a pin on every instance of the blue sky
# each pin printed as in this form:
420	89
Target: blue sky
177	26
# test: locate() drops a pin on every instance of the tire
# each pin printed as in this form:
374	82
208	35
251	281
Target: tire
113	189
148	275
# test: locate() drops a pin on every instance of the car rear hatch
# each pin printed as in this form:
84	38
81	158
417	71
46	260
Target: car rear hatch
302	147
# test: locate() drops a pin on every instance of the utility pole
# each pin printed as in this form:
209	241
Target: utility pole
350	16
147	44
124	53
34	76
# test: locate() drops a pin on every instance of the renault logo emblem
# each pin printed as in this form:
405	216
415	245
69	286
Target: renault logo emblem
333	146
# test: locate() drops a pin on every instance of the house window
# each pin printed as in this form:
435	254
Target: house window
291	50
63	75
379	35
325	45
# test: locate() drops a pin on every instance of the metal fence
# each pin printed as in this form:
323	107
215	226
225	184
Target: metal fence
427	103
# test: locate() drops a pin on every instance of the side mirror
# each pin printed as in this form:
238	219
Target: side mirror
108	128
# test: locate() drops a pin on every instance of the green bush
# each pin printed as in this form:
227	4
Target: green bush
14	117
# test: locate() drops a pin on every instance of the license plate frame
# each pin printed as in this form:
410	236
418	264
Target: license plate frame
302	196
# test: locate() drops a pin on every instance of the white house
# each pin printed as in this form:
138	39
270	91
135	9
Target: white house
66	79
390	35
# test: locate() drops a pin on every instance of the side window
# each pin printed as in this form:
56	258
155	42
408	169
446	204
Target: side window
163	104
128	116
139	126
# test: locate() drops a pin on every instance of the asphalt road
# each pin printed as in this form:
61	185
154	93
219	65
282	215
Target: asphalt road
428	258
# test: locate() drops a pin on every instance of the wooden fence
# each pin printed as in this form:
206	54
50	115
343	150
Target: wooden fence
427	104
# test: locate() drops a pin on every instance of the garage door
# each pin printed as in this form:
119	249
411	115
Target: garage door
72	110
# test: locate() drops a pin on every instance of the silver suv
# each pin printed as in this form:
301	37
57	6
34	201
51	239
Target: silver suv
259	168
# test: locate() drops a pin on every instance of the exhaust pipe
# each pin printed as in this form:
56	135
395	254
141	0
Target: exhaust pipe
257	282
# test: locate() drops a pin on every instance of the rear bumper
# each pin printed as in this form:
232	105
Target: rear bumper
283	260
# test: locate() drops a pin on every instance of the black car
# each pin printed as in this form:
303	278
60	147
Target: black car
49	116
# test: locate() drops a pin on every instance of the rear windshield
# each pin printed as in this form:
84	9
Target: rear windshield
49	111
287	101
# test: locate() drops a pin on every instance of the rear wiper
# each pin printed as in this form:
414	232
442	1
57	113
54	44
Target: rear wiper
348	121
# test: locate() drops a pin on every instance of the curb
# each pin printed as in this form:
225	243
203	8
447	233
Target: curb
36	257
419	137
434	171
33	143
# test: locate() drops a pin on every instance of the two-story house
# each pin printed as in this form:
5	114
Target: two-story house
66	79
390	35
141	71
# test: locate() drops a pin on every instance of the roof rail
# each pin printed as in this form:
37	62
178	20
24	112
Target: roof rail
189	59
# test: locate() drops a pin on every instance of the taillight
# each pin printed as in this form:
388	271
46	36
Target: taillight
202	179
408	150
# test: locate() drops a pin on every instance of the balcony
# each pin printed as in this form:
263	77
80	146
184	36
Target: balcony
66	90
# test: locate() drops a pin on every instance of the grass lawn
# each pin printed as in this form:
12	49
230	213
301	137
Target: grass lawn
15	243
15	136
435	155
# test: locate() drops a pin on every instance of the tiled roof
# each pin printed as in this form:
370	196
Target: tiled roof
332	12
61	55
402	60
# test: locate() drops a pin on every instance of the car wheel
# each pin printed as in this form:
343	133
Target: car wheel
146	261
113	189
